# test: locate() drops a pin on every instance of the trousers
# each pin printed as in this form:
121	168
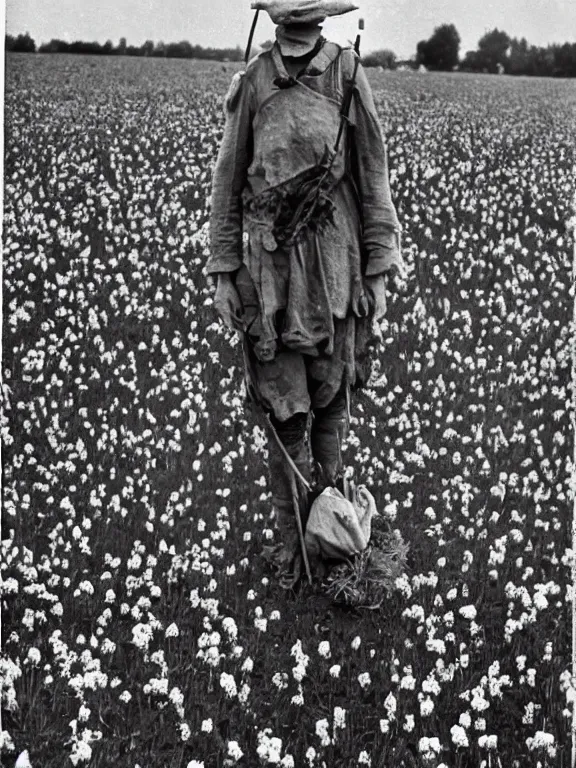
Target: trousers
322	444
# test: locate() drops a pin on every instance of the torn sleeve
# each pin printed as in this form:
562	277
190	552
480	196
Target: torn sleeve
229	178
381	228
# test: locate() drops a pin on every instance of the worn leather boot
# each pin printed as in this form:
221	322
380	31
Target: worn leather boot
326	442
285	555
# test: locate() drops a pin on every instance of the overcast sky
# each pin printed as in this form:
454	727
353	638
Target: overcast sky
395	24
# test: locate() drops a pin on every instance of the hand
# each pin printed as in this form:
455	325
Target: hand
375	286
227	302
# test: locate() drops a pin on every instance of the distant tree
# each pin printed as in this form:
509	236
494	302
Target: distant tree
384	58
147	48
540	61
21	44
518	57
493	49
121	49
181	50
54	46
440	52
159	49
108	48
471	62
80	46
565	60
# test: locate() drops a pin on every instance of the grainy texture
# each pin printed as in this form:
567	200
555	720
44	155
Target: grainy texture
133	498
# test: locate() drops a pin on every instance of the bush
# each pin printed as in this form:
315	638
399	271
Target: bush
21	44
383	58
440	52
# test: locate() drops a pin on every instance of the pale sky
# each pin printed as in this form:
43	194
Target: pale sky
395	24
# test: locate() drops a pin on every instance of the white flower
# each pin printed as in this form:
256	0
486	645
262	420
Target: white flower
364	680
459	736
339	717
409	723
322	732
543	741
261	624
195	764
324	649
299	672
488	742
468	612
408	682
298	699
335	670
280	680
23	760
269	747
33	657
83	713
310	755
364	758
234	750
429	746
172	631
228	683
207	725
229	626
81	752
356	643
390	705
426	707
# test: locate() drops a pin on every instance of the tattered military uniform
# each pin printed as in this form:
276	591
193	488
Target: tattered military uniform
300	273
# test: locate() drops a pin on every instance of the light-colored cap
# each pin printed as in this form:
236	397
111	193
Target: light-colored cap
303	11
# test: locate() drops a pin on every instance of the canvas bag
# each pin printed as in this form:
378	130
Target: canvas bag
339	527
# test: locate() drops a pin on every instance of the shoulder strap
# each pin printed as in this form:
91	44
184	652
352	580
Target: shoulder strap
347	100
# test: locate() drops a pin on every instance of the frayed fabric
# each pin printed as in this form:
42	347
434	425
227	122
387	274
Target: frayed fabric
297	39
303	11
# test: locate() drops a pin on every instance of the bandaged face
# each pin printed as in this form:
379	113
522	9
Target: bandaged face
297	39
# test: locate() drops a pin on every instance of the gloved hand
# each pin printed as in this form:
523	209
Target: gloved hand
375	287
228	303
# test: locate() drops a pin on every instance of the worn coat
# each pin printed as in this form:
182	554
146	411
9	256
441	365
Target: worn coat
301	289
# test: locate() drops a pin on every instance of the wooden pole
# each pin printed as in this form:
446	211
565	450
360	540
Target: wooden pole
296	504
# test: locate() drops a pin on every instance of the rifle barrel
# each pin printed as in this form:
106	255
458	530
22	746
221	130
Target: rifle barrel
251	37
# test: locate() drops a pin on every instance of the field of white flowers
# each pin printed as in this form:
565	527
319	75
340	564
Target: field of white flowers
140	627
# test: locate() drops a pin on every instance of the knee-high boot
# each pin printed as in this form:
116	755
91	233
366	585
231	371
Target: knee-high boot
326	439
285	555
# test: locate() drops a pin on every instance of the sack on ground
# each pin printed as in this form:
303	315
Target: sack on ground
339	528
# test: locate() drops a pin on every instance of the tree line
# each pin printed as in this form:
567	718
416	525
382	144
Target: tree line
496	53
181	50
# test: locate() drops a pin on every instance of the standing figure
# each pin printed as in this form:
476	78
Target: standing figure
302	170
